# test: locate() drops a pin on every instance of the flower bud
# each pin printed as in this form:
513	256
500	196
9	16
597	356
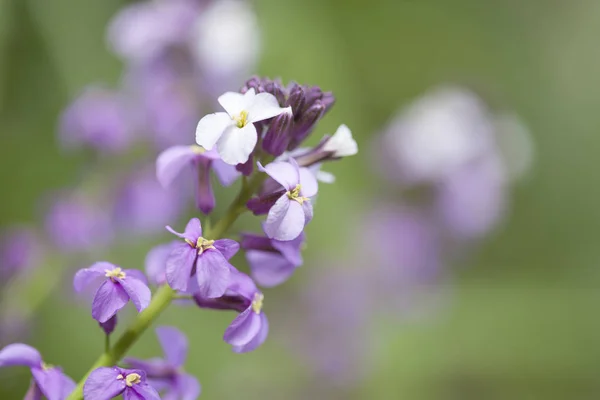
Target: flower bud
305	125
278	136
296	100
109	326
328	100
276	89
247	167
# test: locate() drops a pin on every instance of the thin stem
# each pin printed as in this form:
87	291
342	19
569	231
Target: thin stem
165	295
106	343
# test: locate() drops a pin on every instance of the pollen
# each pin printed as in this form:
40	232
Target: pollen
294	194
132	379
257	303
115	273
197	149
241	120
204	244
47	367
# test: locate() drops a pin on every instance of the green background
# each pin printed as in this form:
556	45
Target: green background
521	320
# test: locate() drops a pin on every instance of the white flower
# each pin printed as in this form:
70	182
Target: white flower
233	131
342	144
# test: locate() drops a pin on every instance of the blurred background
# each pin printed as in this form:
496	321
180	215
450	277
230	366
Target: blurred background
455	257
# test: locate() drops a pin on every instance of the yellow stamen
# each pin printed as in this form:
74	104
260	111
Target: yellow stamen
46	367
257	303
119	377
115	273
132	379
294	194
241	120
204	244
197	149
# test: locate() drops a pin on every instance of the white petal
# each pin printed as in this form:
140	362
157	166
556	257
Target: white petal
234	102
264	106
342	144
325	177
308	182
211	127
236	144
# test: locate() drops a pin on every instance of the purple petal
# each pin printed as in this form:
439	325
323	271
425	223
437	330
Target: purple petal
137	290
291	249
155	367
68	385
285	220
205	198
253	241
258	339
141	391
212	274
156	262
243	329
174	344
283	172
20	354
307	208
269	269
227	174
84	277
308	182
50	382
179	266
137	274
262	204
243	285
188	387
102	384
109	298
193	230
227	247
171	161
109	326
34	392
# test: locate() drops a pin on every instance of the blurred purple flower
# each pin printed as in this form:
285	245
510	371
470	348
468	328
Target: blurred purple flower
156	262
206	261
19	251
98	118
166	375
250	328
47	380
117	288
105	383
272	262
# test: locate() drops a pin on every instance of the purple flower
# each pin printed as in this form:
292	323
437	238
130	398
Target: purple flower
171	162
156	262
109	326
97	118
106	383
118	288
47	380
143	206
166	374
293	209
251	327
19	250
271	261
202	259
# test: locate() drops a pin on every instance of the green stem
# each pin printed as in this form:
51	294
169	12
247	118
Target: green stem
165	295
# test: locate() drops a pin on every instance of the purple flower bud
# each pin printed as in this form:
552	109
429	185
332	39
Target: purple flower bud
262	204
109	326
306	123
109	382
312	94
246	168
252	83
296	100
277	137
328	100
276	89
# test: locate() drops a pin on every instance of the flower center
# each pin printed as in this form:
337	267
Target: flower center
294	194
257	303
197	149
47	367
131	379
115	273
201	244
241	120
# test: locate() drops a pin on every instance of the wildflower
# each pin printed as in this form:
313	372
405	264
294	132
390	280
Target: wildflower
233	131
203	259
105	383
156	261
251	327
166	374
171	162
47	380
293	210
271	261
118	288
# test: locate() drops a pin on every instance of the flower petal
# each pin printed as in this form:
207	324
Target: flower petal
174	344
308	182
291	249
34	392
49	381
137	274
243	328
188	387
211	127
156	367
84	277
233	102
205	198
236	144
341	144
212	274
68	385
287	174
156	262
269	269
258	339
138	291
141	391
109	298
264	106
179	266
308	211
285	220
193	230
20	354
227	247
227	174
171	161
102	384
